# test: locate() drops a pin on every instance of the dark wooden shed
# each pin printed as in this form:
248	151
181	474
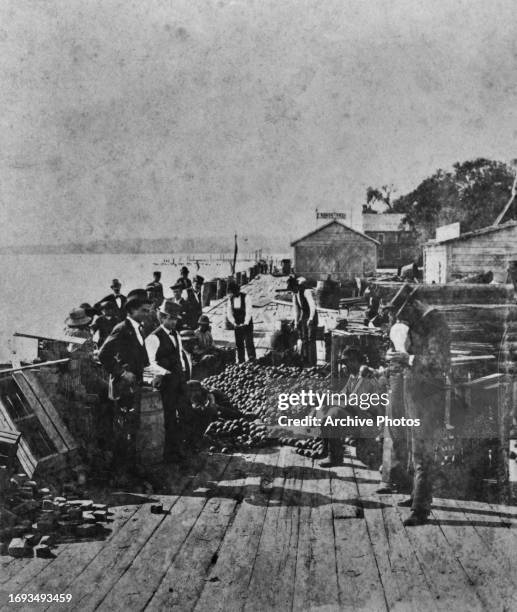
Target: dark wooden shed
335	250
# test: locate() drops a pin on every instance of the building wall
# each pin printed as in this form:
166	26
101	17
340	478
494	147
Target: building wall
337	251
396	248
435	264
482	253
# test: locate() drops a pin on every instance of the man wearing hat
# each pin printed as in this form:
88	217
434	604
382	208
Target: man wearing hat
124	357
421	340
305	318
116	297
165	353
78	326
177	298
184	281
238	313
158	287
104	324
194	302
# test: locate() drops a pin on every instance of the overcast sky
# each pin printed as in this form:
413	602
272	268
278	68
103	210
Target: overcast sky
151	118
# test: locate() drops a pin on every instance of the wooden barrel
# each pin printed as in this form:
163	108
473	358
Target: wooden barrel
151	433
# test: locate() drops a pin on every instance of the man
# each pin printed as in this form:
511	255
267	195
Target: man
158	287
104	324
239	315
177	298
184	281
165	354
124	357
361	380
428	363
305	319
116	297
206	357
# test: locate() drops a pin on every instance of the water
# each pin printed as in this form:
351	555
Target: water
38	291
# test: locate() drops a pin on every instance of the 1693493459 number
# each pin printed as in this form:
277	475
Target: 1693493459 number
40	598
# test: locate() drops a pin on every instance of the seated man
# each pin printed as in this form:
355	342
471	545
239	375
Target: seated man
361	380
200	413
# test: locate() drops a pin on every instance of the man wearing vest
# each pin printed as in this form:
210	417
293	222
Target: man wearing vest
166	359
238	314
305	319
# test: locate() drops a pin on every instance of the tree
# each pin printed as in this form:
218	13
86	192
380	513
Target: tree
473	193
379	196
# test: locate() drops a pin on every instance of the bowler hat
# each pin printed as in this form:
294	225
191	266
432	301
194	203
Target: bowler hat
78	318
116	283
406	292
168	307
203	319
198	279
184	270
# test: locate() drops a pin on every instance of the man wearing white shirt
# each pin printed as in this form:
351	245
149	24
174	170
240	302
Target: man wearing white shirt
167	360
238	313
305	319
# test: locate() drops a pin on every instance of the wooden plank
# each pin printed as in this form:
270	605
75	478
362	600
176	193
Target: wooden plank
24	454
494	588
48	425
171	576
272	582
404	581
451	584
39	575
358	575
316	583
48	407
227	582
98	577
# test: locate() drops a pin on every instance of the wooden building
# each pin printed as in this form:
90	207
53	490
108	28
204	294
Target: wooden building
397	244
335	250
487	249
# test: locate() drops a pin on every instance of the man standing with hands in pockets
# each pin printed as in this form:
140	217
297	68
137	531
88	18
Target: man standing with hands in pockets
238	313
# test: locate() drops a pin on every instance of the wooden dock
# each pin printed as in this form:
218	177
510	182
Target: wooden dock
271	530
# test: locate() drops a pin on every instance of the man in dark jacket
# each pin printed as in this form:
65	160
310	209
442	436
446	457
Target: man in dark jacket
104	324
116	297
124	357
165	354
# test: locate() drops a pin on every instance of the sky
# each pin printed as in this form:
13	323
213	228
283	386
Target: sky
125	119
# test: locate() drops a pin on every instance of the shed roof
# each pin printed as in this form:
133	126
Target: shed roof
480	232
382	222
334	222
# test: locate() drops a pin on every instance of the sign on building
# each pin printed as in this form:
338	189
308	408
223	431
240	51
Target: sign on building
330	215
446	232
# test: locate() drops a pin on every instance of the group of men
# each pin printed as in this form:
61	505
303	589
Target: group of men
144	330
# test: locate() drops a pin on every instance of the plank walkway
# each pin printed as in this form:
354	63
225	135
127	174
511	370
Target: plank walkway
271	530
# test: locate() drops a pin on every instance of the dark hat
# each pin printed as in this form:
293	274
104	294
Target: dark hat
168	307
116	283
88	309
157	273
198	279
406	292
177	286
137	293
78	318
184	269
203	319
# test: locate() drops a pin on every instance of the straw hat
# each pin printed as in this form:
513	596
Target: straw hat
78	318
